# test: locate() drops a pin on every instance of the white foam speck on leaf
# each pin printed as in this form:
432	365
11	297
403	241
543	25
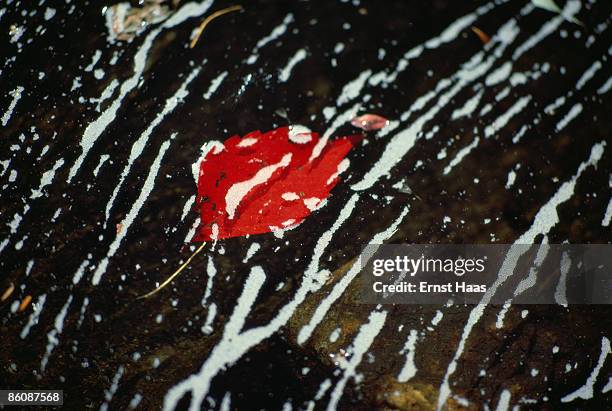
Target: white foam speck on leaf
247	142
290	196
213	146
311	203
299	134
238	191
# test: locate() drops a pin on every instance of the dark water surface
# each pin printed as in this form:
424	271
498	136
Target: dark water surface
504	142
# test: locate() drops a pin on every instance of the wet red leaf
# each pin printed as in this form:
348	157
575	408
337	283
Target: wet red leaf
264	182
369	122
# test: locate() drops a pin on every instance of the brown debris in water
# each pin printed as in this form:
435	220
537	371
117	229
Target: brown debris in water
25	303
484	37
7	293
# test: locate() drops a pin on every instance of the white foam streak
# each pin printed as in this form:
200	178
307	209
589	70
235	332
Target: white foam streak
33	319
140	143
504	401
129	219
572	114
544	221
46	179
344	282
285	72
547	217
16	94
53	335
409	369
214	85
605	87
95	129
460	155
586	391
232	346
352	89
503	120
364	339
587	75
238	191
343	118
572	7
468	108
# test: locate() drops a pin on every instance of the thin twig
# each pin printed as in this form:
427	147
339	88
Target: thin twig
211	18
173	275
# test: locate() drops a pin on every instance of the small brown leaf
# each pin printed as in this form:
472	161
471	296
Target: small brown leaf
484	37
8	292
24	303
369	122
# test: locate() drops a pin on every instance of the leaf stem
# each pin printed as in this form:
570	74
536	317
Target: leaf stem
211	18
173	275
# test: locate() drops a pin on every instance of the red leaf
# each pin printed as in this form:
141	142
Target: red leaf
264	182
369	122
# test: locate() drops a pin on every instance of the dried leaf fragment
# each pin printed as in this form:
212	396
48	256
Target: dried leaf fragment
7	293
369	122
484	37
24	303
125	21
